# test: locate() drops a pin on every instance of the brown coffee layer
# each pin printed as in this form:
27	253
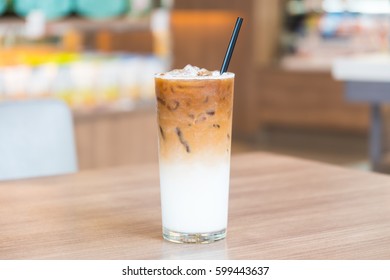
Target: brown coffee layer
194	117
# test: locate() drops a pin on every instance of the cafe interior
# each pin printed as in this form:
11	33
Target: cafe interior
293	63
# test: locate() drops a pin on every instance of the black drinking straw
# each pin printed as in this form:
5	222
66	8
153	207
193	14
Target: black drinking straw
232	43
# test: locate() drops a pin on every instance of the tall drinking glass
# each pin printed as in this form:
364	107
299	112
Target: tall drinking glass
194	120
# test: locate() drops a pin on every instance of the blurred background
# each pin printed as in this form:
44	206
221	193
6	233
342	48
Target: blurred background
99	56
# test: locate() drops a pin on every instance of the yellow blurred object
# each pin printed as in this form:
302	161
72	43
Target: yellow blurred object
82	80
111	94
66	96
88	99
34	56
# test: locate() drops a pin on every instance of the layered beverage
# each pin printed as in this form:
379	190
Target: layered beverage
194	109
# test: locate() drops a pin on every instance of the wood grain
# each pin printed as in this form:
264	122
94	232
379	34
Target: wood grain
280	208
116	138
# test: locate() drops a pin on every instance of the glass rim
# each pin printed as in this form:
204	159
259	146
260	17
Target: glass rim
226	75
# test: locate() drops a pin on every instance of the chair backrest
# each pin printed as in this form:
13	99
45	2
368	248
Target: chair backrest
36	139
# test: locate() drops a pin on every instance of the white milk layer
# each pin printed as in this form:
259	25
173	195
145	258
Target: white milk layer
194	196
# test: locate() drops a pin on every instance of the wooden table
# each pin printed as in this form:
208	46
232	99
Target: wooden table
280	208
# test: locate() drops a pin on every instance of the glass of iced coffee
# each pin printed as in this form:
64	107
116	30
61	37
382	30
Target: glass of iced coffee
194	111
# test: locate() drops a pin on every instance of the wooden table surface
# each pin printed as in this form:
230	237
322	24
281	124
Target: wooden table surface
280	208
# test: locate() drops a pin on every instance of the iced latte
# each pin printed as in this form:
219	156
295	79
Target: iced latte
194	109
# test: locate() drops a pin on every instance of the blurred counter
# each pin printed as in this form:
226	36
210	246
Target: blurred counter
374	67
